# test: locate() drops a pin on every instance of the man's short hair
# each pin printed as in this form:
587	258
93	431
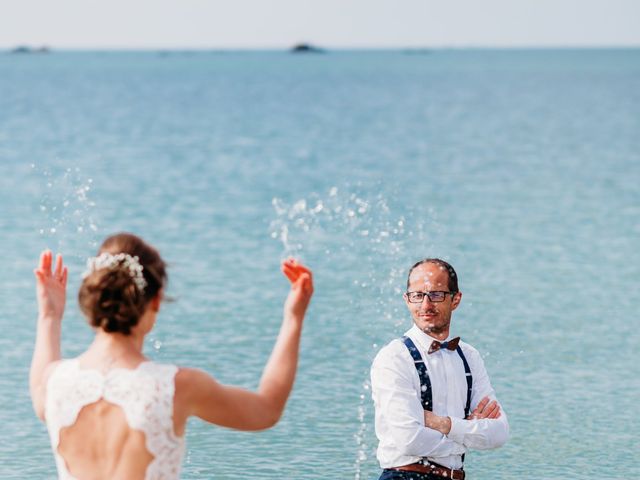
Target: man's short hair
452	284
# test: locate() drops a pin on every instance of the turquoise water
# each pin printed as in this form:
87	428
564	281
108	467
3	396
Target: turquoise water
519	167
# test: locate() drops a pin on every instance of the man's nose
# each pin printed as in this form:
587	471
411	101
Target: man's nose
426	300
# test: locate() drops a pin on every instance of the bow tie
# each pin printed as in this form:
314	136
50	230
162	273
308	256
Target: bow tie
450	345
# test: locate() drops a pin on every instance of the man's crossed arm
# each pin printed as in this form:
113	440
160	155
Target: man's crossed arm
481	434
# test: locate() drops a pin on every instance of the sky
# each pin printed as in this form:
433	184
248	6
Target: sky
328	23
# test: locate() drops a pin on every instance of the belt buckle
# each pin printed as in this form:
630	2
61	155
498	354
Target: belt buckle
451	471
447	474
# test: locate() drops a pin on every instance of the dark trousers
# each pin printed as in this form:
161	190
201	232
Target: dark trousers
396	475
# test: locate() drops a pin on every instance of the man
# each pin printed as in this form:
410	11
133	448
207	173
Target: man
432	395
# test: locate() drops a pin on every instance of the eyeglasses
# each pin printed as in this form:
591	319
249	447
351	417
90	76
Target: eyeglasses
435	297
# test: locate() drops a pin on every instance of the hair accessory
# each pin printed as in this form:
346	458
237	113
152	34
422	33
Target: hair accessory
119	260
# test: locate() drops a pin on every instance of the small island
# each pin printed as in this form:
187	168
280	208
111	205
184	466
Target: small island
21	49
305	48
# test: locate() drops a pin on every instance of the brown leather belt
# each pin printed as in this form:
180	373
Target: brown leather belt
433	469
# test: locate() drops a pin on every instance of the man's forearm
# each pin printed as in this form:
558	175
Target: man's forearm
436	422
428	442
481	434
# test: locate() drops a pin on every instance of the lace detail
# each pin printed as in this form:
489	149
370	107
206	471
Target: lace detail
145	395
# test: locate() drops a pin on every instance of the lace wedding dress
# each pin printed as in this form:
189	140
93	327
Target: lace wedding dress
145	395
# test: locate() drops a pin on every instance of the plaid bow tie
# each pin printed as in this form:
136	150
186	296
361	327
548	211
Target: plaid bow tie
450	345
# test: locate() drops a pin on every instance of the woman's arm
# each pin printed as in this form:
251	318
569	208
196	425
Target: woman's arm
245	410
51	294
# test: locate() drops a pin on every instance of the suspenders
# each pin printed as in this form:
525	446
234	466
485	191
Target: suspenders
467	372
425	382
421	367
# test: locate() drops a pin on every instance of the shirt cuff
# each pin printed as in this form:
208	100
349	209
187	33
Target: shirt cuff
458	429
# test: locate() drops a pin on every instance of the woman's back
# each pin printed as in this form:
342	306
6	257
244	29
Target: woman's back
117	424
128	423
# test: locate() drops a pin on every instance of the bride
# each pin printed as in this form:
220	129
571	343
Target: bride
113	414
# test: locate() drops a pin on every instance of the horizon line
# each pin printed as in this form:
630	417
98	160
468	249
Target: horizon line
35	46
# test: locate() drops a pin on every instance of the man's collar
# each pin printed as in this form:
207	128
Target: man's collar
422	338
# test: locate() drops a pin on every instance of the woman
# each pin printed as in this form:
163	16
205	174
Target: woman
113	414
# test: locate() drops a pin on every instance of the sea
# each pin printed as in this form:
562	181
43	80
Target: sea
519	167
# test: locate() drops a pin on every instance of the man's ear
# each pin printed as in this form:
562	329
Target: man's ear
456	300
406	298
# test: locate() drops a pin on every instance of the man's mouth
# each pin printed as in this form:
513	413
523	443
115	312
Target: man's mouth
428	314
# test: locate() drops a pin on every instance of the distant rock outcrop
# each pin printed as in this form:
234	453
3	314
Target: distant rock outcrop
306	48
26	49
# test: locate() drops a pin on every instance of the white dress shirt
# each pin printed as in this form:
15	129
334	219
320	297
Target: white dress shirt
399	415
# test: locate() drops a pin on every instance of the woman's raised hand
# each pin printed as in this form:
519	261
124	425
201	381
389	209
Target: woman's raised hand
51	286
238	408
299	297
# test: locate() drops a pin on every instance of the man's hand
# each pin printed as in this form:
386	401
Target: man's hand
435	422
485	409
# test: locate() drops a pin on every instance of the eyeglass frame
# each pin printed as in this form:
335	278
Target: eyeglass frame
428	295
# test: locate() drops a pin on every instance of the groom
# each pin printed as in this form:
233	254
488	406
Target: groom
432	395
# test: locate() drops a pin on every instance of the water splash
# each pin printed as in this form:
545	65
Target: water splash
373	241
339	214
157	347
68	210
334	226
361	435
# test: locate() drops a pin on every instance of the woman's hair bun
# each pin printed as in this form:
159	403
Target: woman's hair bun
110	297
